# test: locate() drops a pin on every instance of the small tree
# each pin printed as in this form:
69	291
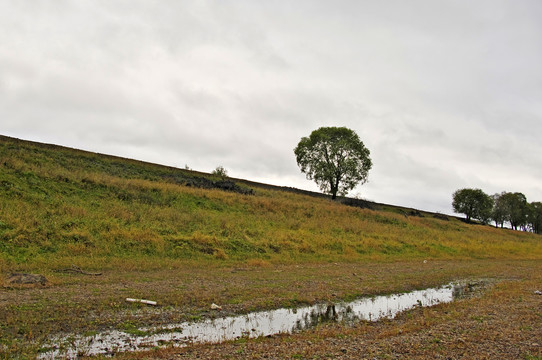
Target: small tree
335	158
535	217
220	171
516	209
499	210
474	203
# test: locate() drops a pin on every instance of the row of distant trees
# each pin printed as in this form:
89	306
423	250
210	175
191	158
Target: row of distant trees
506	207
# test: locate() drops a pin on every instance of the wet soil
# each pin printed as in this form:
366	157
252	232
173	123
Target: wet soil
260	323
504	322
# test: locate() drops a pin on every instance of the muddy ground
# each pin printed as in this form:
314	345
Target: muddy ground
504	322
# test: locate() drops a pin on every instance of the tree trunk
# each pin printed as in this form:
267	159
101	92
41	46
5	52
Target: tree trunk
334	188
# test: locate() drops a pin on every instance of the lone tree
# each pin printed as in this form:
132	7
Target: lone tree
335	158
220	171
474	203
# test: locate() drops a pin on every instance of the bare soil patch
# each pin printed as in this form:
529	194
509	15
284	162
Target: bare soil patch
504	322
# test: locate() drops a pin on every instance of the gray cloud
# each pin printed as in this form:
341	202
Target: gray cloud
445	94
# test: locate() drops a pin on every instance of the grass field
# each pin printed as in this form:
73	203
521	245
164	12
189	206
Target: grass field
171	235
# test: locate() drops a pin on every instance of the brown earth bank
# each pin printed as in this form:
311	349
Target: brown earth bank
503	322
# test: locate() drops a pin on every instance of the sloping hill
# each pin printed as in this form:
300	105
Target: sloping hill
60	206
187	240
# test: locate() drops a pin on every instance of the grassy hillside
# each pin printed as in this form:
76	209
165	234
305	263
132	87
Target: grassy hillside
186	240
62	206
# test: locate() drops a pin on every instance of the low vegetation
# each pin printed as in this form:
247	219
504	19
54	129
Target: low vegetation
188	239
61	207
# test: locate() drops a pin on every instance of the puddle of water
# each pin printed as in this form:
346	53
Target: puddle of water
252	325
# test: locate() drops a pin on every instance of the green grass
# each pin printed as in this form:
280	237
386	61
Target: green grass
62	206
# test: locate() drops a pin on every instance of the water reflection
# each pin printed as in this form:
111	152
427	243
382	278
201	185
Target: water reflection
255	324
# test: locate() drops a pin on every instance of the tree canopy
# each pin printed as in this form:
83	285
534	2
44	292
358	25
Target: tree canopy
335	158
506	207
534	217
474	203
500	209
516	208
220	171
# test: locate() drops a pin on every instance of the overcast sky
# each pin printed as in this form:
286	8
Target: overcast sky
445	94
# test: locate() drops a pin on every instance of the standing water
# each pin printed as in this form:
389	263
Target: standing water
263	323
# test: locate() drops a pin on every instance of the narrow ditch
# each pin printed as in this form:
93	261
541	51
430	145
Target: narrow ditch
256	324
